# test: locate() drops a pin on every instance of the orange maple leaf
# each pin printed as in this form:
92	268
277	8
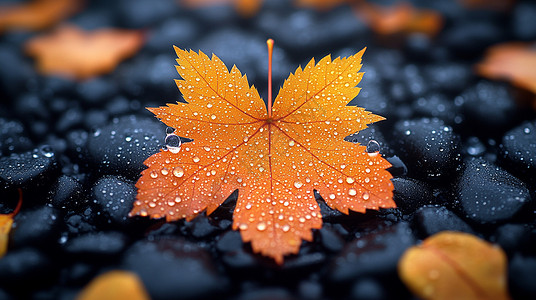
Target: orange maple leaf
73	52
35	15
276	156
6	222
514	61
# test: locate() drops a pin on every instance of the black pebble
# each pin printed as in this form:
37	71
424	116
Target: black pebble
229	241
179	32
410	194
515	237
489	194
96	245
267	293
430	220
122	145
201	227
13	137
144	13
26	270
521	274
488	108
330	239
373	254
523	21
429	147
82	222
436	105
518	151
174	269
114	197
368	288
450	78
471	36
36	168
67	193
37	228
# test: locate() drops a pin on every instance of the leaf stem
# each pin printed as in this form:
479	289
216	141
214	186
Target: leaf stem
270	44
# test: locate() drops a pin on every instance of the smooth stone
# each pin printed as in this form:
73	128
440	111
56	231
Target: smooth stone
518	151
410	194
430	220
38	228
115	197
67	193
97	245
32	169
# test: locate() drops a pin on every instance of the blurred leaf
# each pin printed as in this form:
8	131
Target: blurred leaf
320	4
37	14
246	8
114	285
6	222
455	265
72	52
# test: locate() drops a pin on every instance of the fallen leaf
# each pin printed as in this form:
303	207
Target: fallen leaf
246	8
276	156
115	285
6	221
37	14
455	265
402	17
75	53
513	61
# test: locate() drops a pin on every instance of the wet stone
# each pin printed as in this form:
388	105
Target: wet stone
38	228
471	36
176	29
330	239
436	106
114	197
429	148
523	21
173	269
368	288
373	254
67	193
489	194
96	90
410	194
450	78
143	13
96	245
488	108
521	272
36	168
201	227
229	241
80	223
122	145
518	151
513	237
25	270
430	220
13	137
310	290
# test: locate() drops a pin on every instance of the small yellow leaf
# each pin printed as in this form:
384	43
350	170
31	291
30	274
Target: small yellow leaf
114	285
6	221
455	265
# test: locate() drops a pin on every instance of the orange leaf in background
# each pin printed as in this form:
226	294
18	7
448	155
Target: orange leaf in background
72	52
37	14
274	156
114	285
320	4
514	61
246	8
400	18
6	221
455	265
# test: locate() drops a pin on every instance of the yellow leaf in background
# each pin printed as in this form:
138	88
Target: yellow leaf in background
6	221
455	265
115	285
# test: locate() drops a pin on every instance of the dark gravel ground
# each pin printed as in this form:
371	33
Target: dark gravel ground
463	150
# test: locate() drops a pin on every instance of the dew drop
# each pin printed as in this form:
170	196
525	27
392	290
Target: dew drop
178	172
213	117
206	148
196	159
366	196
331	196
291	143
373	148
154	174
170	130
152	204
173	143
178	199
243	226
298	184
350	180
285	228
352	192
171	203
164	171
261	226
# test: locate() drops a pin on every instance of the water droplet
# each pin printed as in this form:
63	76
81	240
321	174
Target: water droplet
173	143
206	148
291	143
170	130
171	203
213	117
154	174
178	199
352	192
164	171
366	196
209	105
196	159
261	226
350	180
285	228
243	226
152	204
373	148
331	196
526	130
298	184
47	151
178	172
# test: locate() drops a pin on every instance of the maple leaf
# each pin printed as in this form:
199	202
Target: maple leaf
6	221
514	61
455	265
38	14
73	52
276	156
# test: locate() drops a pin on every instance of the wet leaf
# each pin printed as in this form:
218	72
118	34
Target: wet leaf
75	53
114	285
513	61
246	8
401	17
455	265
6	222
37	14
276	156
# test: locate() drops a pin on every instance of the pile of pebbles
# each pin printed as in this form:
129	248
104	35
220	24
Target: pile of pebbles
463	151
